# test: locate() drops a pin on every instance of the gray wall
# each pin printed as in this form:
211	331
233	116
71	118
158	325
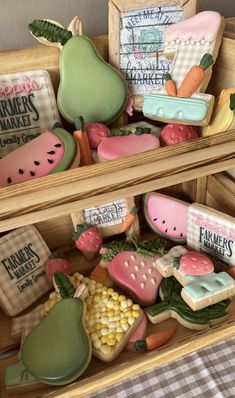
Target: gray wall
16	14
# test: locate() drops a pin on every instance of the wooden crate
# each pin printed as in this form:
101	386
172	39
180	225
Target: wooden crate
182	170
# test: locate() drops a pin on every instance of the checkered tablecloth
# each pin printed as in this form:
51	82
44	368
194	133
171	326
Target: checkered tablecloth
209	372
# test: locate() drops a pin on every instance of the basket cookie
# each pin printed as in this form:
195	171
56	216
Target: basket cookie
201	286
27	108
23	280
193	45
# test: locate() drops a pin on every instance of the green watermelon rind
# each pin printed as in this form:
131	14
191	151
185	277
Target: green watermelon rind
70	149
177	240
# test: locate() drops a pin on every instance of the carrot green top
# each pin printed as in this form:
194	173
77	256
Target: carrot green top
206	61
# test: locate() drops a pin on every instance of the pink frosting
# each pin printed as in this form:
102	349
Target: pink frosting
137	275
118	147
195	263
204	25
167	215
32	160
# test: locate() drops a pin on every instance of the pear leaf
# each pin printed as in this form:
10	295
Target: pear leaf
51	32
65	287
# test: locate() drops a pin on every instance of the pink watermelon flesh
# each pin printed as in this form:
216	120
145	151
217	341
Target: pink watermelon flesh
166	216
35	159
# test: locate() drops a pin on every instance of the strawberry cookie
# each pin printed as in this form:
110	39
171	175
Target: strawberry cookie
88	240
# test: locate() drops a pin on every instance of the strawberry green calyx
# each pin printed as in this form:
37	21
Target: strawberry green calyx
51	32
65	287
57	255
79	230
166	76
176	262
124	131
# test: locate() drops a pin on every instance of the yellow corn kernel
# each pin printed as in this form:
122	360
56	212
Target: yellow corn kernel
125	327
129	302
123	320
116	307
110	313
128	313
106	350
98	326
115	296
99	285
111	336
97	315
105	300
104	331
116	318
131	320
111	342
136	314
103	309
97	298
110	291
104	339
97	344
124	304
94	336
119	336
121	298
135	307
112	325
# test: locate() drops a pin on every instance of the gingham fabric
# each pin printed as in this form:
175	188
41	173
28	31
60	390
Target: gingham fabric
207	373
18	124
217	230
23	254
22	325
187	55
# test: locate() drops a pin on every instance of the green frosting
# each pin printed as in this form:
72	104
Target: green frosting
172	301
70	149
123	131
64	285
16	375
50	31
58	350
88	85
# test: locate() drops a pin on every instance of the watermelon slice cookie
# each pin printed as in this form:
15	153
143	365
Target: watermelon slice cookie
166	216
51	152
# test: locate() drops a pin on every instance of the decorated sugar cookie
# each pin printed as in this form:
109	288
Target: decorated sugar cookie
201	286
223	116
133	268
111	317
51	152
58	350
212	233
56	263
173	306
166	216
175	133
89	86
27	108
23	280
126	142
88	240
193	45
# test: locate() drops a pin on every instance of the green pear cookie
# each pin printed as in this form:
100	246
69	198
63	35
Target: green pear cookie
89	86
58	350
